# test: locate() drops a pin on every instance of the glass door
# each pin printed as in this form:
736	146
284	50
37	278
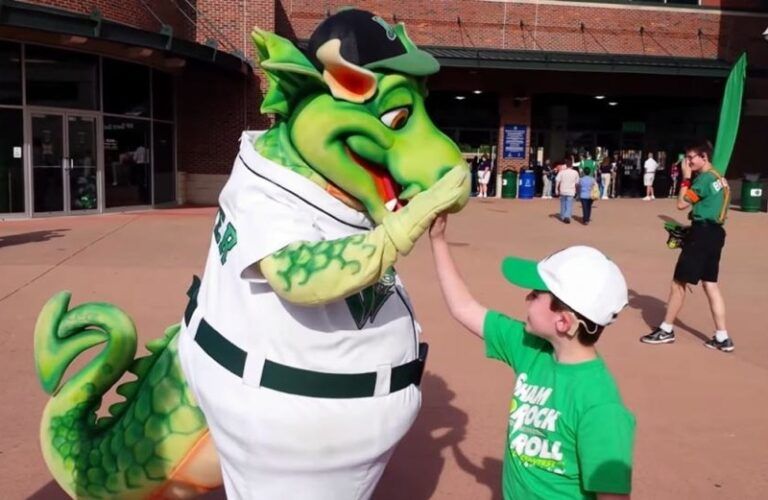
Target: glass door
81	169
64	163
48	164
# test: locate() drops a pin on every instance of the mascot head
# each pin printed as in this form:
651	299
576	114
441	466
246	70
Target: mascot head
352	111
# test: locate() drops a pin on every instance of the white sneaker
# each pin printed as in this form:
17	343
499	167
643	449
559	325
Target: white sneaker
604	198
647	198
653	197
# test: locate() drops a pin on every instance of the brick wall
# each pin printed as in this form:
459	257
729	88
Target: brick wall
608	28
214	108
132	12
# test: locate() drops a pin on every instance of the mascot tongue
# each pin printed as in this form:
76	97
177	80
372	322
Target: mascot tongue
386	186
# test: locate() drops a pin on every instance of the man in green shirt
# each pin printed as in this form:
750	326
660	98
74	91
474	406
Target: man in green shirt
569	434
709	195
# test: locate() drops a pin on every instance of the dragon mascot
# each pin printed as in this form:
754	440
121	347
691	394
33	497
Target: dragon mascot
295	369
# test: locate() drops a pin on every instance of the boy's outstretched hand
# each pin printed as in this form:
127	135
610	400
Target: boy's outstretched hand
437	229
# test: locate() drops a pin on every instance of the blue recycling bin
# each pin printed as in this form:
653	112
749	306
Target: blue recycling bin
527	184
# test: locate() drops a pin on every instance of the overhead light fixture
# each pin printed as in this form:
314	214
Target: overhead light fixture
612	103
477	91
460	97
765	34
174	62
139	52
599	97
73	40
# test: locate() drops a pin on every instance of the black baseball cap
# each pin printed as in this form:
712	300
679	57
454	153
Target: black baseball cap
369	41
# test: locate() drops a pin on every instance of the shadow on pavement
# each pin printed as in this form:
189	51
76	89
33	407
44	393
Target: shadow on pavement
415	468
653	310
33	237
50	491
488	474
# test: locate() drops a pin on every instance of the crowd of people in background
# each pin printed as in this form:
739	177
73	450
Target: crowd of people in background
602	176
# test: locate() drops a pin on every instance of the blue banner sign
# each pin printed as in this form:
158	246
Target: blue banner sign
514	141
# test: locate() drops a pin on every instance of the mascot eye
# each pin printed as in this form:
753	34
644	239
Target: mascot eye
396	119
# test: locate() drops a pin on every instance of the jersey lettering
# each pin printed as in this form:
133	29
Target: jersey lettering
226	241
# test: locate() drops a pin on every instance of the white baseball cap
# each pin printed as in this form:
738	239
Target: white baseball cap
580	276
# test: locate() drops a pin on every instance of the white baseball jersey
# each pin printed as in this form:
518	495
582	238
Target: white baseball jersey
273	444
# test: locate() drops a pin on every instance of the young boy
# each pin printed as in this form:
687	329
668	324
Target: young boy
569	434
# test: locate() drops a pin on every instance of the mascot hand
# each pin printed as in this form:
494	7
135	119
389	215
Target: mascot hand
448	194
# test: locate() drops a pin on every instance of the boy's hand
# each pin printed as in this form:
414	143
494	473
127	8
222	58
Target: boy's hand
437	229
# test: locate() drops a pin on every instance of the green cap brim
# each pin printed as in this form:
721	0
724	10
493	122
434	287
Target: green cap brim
415	63
523	273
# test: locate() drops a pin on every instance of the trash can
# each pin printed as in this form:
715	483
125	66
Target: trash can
509	184
527	184
751	193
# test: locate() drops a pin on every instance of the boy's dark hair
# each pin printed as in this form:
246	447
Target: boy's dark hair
701	147
582	334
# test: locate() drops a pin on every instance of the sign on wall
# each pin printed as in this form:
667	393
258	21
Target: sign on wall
514	141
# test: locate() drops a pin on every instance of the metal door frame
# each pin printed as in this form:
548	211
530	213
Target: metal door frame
64	113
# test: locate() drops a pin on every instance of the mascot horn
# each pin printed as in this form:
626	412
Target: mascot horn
296	368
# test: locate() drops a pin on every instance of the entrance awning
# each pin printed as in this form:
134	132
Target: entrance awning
14	14
572	61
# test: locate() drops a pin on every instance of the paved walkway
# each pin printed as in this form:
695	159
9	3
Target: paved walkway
701	415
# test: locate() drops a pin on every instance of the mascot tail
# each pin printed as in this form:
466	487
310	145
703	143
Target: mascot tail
154	444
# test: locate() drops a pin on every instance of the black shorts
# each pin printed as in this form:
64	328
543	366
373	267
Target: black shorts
700	257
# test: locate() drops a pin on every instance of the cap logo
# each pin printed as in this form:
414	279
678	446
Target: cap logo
391	35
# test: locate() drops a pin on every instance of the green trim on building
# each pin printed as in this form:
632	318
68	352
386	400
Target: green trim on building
459	57
22	15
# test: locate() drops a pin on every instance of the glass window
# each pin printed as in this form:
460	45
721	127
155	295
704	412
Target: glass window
11	164
61	79
126	162
126	88
165	185
10	73
162	96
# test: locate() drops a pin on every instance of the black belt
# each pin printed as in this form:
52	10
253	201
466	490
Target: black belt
705	222
298	381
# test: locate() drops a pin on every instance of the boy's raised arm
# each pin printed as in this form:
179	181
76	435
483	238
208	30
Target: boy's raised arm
462	305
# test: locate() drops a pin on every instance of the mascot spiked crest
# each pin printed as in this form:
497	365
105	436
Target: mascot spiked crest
296	367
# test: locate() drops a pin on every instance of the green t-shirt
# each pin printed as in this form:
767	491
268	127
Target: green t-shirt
569	434
589	165
710	196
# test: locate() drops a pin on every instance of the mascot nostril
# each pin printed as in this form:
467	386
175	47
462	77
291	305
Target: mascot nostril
299	343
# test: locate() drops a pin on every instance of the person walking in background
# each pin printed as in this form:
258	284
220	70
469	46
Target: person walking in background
565	187
547	175
605	177
674	175
483	176
588	192
588	163
649	168
708	195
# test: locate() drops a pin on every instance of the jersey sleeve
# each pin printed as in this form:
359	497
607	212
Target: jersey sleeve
604	442
507	341
263	224
698	190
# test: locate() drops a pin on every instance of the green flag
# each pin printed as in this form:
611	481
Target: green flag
730	112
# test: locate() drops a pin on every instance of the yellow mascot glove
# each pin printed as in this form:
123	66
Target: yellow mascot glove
449	193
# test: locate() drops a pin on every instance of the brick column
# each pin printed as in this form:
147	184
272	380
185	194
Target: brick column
512	112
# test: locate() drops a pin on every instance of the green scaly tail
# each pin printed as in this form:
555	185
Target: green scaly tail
132	452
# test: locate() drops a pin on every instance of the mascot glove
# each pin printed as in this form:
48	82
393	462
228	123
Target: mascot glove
406	225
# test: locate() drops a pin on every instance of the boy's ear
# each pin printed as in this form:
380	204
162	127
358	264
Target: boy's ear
567	324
